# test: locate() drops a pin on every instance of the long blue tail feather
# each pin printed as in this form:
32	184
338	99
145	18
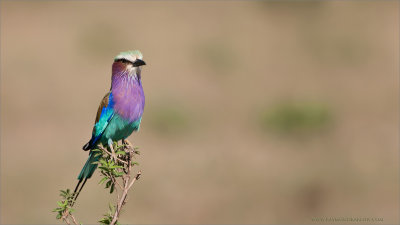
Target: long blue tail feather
86	173
89	168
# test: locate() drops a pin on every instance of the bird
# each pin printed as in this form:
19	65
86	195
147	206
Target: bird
119	113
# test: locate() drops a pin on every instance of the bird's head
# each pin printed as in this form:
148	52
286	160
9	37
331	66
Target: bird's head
129	62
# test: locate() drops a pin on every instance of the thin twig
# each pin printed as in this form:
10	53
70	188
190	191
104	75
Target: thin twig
123	197
66	220
127	183
67	214
120	160
116	182
135	179
73	219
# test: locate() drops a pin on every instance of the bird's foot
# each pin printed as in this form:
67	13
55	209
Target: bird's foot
127	143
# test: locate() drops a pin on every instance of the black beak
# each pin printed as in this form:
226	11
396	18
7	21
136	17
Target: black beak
138	62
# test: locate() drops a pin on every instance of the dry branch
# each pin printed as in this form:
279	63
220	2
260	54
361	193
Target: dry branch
116	164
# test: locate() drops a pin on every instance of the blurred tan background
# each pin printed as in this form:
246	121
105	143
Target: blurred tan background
256	112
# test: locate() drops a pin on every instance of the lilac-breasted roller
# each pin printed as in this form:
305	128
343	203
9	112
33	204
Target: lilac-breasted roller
120	112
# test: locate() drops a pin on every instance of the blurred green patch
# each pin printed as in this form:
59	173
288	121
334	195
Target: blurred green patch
296	117
99	39
168	120
217	55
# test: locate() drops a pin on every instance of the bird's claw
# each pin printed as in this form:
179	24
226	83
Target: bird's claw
127	143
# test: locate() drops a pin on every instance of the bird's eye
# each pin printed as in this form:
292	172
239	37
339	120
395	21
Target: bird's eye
123	60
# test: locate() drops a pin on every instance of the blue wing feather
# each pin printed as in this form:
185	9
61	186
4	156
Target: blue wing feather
104	115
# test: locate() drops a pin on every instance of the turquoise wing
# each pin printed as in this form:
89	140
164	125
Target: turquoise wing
105	113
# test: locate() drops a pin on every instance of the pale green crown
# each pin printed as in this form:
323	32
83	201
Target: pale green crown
130	55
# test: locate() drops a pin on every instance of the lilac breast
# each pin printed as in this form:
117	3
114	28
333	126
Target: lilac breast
128	97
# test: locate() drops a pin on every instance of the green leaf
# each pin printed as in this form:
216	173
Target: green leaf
105	221
102	161
58	209
102	180
104	168
112	188
117	174
108	184
120	153
115	166
111	207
